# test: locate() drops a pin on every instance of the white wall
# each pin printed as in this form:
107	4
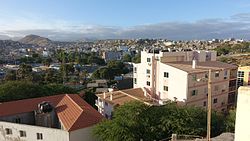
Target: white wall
243	115
177	82
49	134
84	134
103	108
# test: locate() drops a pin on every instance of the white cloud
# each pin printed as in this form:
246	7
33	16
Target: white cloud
237	25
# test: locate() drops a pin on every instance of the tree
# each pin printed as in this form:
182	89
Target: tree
106	73
223	50
24	72
47	61
134	121
125	125
127	58
66	69
16	90
52	76
10	75
90	98
83	76
230	121
137	58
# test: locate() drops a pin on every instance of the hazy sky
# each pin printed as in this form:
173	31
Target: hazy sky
172	19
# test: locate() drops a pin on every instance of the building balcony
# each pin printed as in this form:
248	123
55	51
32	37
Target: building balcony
233	88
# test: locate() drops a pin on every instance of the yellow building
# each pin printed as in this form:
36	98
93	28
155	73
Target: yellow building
243	77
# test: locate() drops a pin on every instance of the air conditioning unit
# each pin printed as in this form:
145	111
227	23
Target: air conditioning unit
149	64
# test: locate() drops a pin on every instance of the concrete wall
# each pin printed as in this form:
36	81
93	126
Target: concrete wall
84	134
220	89
243	115
49	134
105	109
176	82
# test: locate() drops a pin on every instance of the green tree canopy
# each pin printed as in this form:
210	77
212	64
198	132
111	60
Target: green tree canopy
137	58
230	121
127	58
24	72
16	90
134	121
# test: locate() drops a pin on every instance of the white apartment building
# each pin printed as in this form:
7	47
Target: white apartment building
64	117
183	76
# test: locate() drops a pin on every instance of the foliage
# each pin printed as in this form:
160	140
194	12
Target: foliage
137	58
113	68
52	76
47	61
16	90
10	75
127	58
24	72
135	121
79	58
90	98
223	50
230	121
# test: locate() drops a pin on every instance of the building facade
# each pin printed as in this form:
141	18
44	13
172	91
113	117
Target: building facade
107	102
183	76
58	118
112	55
242	114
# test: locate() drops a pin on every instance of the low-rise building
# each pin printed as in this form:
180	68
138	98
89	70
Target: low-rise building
112	55
107	102
64	117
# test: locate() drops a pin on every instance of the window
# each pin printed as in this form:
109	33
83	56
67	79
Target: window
39	136
240	82
8	131
148	83
148	60
135	70
215	100
217	74
17	120
166	74
148	71
225	74
22	133
240	73
204	103
135	80
194	92
206	75
194	77
165	88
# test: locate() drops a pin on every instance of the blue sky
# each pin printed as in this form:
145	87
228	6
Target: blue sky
75	19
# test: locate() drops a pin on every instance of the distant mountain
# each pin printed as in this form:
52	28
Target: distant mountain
35	40
4	37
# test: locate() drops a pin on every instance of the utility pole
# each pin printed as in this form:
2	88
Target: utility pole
209	105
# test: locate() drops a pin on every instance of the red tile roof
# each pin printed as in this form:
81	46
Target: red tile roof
73	112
